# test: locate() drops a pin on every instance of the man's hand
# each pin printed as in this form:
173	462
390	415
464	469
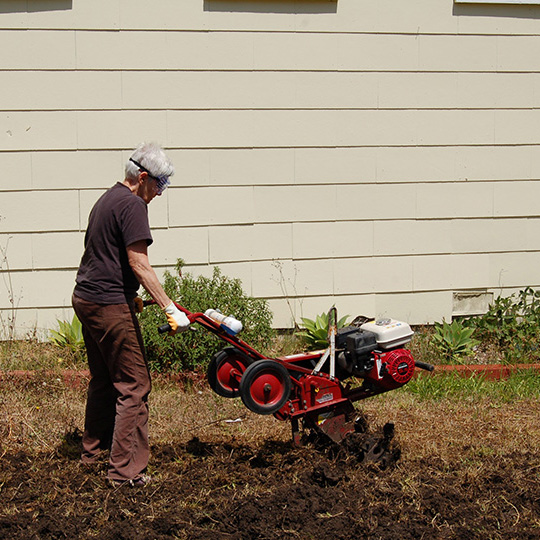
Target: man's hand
177	319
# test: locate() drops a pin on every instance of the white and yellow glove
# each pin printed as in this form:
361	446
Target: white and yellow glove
177	319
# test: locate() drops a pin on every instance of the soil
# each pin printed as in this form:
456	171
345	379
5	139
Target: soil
231	490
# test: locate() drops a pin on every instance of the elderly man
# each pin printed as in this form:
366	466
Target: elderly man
114	264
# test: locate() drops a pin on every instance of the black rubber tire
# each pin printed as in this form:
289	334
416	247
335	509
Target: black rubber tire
219	371
265	387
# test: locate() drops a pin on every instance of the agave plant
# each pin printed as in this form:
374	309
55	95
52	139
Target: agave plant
315	332
69	335
454	340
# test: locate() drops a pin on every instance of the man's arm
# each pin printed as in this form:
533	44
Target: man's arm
138	260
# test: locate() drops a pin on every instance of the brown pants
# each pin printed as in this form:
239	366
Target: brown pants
117	402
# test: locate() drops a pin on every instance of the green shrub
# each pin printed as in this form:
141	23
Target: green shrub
453	341
191	350
513	324
315	332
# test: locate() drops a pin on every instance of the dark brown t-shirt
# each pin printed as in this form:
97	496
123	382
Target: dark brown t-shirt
118	219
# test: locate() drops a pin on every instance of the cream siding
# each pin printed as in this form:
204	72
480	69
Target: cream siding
376	155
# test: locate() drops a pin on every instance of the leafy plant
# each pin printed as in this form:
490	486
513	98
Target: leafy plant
453	340
315	332
190	350
513	324
69	336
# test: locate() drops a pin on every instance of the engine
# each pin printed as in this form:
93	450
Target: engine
374	351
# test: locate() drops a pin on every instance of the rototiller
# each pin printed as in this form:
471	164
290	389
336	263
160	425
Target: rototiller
307	388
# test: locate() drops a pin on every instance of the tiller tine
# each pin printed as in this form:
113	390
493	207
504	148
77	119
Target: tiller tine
376	449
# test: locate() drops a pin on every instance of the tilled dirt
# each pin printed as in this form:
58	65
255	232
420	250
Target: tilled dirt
229	490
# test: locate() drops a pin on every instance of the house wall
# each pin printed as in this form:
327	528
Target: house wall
380	156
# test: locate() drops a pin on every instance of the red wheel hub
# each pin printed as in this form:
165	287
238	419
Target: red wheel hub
267	387
230	372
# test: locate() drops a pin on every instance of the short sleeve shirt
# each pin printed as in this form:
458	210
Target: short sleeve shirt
118	219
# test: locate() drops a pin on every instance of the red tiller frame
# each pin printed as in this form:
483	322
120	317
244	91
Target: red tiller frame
318	399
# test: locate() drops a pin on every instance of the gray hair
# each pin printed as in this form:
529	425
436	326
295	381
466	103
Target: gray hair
152	157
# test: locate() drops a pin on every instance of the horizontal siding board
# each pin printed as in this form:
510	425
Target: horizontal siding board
417	308
143	50
71	169
450	272
493	235
344	16
412	237
39	211
75	169
188	243
16	252
332	239
103	129
514	270
61	90
294	203
58	130
57	250
16	165
250	242
304	278
29	131
37	49
250	89
376	201
273	241
216	206
468	199
517	198
43	289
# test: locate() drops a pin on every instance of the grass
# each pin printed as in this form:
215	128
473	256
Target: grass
39	411
35	355
524	384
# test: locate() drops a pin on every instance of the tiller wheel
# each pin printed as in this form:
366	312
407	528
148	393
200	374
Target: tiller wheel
225	371
265	387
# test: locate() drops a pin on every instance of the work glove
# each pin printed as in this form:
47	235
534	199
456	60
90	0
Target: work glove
138	303
177	319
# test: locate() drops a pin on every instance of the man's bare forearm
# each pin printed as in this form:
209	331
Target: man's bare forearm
146	275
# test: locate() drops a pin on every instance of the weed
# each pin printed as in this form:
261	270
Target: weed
278	265
8	324
513	324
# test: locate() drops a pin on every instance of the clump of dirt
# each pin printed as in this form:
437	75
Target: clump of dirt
227	489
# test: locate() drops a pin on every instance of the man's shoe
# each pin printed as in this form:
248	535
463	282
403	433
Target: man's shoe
140	481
